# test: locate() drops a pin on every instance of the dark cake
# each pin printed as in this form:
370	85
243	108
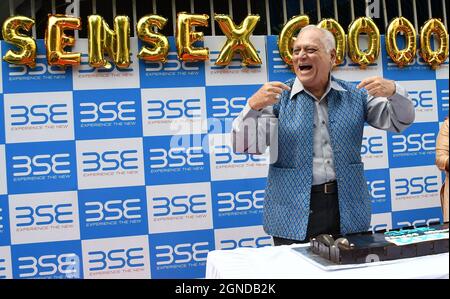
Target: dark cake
391	245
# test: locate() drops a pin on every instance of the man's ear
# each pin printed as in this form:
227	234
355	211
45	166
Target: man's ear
333	56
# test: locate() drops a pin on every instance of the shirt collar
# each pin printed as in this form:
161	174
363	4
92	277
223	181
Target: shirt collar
298	87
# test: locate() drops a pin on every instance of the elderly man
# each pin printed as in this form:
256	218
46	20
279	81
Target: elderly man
315	123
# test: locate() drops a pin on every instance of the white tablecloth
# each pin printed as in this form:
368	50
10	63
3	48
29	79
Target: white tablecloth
282	262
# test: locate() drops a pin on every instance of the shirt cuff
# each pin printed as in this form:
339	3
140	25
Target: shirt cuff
400	93
248	112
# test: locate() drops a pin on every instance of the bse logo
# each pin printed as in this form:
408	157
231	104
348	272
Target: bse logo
107	112
172	208
416	185
415	188
224	154
41	165
174	109
113	210
241	201
49	266
33	117
416	145
56	260
249	242
116	259
423	95
228	165
41	215
238	201
224	103
44	217
223	107
179	159
182	253
110	161
179	205
39	115
413	143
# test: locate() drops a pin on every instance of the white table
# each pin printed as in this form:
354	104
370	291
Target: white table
282	262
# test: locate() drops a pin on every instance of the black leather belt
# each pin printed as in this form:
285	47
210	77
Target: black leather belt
327	188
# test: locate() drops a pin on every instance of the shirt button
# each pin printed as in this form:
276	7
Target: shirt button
323	122
326	142
328	162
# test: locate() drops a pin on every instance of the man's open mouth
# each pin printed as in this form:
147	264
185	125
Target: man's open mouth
305	67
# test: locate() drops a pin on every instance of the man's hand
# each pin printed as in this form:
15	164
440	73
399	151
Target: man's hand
268	94
378	87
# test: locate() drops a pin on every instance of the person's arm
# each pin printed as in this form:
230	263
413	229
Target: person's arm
253	130
389	106
442	151
256	126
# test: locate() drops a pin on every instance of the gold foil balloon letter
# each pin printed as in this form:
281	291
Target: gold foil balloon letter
437	57
358	26
287	35
159	42
339	36
56	40
406	55
238	40
185	37
102	39
26	44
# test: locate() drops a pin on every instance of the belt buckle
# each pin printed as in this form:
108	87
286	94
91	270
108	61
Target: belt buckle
328	185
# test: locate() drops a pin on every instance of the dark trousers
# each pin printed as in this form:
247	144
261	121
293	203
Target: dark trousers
324	218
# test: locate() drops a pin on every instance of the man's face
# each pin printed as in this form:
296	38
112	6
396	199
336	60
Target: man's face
312	63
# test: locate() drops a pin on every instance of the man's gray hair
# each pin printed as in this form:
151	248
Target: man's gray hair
327	37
